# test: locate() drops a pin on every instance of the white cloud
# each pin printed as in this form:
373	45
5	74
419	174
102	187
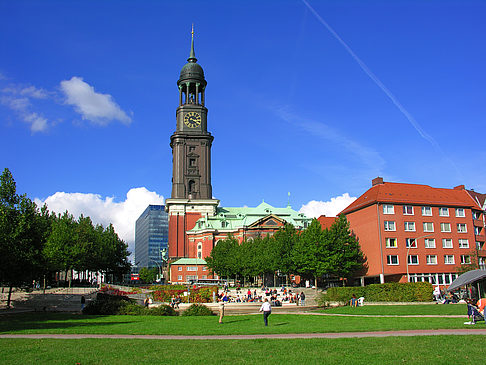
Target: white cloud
21	105
95	107
330	208
30	91
105	210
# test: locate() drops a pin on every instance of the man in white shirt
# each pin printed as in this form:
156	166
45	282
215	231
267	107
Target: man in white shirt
266	308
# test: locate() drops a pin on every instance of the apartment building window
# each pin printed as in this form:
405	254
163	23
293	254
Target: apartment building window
392	260
445	227
461	228
449	259
391	243
192	268
407	210
429	243
428	227
479	245
179	268
476	215
413	260
388	209
410	226
427	211
410	243
179	277
444	212
463	243
431	259
389	225
477	230
204	277
191	277
465	259
446	243
460	212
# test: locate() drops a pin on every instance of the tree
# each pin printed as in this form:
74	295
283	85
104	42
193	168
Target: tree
310	254
21	236
223	259
148	275
284	242
345	255
61	249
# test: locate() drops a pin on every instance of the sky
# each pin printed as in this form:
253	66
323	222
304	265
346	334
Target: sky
312	98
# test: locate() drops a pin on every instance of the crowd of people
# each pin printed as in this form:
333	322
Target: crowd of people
275	297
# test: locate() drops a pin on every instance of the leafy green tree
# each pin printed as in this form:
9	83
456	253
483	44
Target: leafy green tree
62	250
283	246
21	236
223	259
148	275
309	253
344	253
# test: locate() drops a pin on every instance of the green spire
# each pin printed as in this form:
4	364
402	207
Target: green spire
192	55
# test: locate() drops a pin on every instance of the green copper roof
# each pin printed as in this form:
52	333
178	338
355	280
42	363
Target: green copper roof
239	217
192	70
189	262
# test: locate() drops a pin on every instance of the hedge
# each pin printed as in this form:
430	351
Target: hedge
114	304
388	292
197	310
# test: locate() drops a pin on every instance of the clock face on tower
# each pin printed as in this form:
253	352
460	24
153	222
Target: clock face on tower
192	119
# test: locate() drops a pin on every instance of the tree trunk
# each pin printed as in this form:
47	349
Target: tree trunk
315	281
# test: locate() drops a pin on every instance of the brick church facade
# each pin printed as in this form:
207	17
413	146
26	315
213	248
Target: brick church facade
196	222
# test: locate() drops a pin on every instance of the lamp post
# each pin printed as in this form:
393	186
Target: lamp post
408	251
158	267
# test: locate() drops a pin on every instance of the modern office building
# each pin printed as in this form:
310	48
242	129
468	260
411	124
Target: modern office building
151	236
411	232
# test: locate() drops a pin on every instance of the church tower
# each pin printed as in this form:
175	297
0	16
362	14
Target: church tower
191	196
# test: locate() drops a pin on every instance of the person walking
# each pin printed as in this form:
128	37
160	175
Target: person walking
221	312
266	308
302	299
83	301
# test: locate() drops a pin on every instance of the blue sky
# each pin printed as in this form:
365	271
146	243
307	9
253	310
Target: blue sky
315	98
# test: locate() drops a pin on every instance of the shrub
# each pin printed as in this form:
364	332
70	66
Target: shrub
197	310
106	304
388	292
163	310
133	309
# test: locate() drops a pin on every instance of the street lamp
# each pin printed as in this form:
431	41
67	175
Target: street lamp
158	267
408	251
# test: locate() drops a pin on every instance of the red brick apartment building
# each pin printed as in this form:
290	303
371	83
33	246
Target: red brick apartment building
411	232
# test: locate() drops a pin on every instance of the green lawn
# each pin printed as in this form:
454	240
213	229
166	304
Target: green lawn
402	310
243	324
389	350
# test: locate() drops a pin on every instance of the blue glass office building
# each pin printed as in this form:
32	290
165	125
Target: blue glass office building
151	236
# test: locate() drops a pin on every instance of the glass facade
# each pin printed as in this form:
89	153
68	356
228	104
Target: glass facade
151	236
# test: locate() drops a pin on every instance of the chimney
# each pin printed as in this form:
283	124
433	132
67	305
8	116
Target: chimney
459	187
377	181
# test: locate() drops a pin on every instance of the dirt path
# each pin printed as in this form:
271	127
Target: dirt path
448	332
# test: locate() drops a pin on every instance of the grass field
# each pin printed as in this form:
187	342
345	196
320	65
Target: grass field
389	350
242	324
402	310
